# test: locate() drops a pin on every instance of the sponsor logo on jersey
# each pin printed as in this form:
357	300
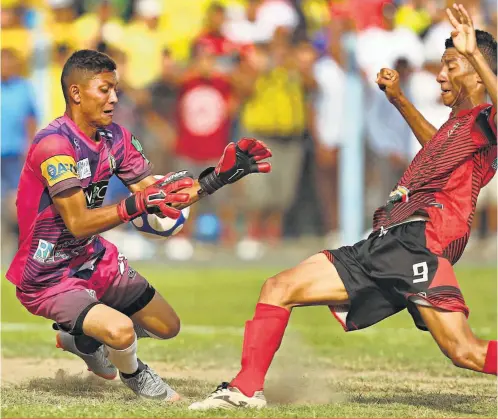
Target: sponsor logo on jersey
47	252
400	194
138	147
58	168
95	194
453	129
92	293
83	169
121	263
112	163
132	273
44	251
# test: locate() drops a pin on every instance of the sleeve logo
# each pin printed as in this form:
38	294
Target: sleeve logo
58	168
83	169
138	147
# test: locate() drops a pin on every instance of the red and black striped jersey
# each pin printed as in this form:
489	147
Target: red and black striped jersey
444	180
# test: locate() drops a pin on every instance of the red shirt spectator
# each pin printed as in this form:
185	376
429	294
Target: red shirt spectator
203	117
365	13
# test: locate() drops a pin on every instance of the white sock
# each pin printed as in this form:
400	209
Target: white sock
143	333
125	360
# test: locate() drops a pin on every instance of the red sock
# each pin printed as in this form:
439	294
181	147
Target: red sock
490	365
262	338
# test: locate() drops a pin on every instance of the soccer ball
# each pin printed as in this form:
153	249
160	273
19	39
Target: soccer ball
154	227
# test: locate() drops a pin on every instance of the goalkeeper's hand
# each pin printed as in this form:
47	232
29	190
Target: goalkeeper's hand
238	160
157	198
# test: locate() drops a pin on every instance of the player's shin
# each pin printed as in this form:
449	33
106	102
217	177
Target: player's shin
262	338
125	360
490	365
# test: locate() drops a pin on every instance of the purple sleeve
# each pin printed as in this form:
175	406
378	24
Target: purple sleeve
54	162
134	166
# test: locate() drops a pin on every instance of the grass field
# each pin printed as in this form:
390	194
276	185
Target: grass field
389	370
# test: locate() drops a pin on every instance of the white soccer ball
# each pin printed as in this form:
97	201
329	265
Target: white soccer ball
152	226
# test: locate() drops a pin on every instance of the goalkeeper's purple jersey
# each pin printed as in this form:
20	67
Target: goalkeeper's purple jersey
63	157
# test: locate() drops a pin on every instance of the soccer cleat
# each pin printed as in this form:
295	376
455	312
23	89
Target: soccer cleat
96	362
149	385
226	397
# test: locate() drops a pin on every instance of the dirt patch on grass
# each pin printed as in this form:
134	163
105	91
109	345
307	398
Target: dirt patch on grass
19	370
16	371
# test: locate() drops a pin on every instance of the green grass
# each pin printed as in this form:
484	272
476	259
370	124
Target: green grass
389	370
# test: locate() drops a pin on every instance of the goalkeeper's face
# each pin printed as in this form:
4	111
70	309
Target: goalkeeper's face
98	97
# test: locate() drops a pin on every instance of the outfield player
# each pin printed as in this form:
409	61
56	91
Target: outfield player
64	270
406	262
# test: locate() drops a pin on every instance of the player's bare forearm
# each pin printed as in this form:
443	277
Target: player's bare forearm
81	221
388	81
488	78
423	129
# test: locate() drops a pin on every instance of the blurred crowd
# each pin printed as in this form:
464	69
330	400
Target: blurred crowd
196	74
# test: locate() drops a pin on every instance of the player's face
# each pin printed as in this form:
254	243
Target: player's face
457	78
98	96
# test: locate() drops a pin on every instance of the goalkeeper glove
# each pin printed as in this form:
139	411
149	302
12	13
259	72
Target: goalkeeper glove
157	198
238	160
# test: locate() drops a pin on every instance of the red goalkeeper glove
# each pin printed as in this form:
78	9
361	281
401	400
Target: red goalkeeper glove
238	160
157	198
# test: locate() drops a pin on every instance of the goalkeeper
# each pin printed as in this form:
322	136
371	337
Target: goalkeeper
64	270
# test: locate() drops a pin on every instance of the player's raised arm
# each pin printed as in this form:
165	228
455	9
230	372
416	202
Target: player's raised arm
465	41
388	81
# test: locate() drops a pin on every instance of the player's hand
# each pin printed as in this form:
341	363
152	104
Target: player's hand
464	34
158	198
238	160
388	81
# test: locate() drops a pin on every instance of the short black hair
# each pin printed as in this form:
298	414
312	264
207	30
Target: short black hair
486	44
85	61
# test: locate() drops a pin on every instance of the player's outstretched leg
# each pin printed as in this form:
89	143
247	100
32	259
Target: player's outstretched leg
456	340
313	282
90	351
116	331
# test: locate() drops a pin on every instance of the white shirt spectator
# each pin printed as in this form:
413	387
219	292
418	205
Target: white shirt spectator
269	16
329	102
378	48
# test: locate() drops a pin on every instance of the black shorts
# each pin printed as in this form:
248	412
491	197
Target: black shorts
392	270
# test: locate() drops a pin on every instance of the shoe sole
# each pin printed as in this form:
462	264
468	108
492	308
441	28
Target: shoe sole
58	345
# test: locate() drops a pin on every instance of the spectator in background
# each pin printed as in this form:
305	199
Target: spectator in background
57	107
162	98
256	21
275	112
213	39
15	36
389	137
328	128
204	114
99	27
59	24
242	26
380	47
18	125
143	43
415	15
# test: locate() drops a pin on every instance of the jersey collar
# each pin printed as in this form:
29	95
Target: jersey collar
95	146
